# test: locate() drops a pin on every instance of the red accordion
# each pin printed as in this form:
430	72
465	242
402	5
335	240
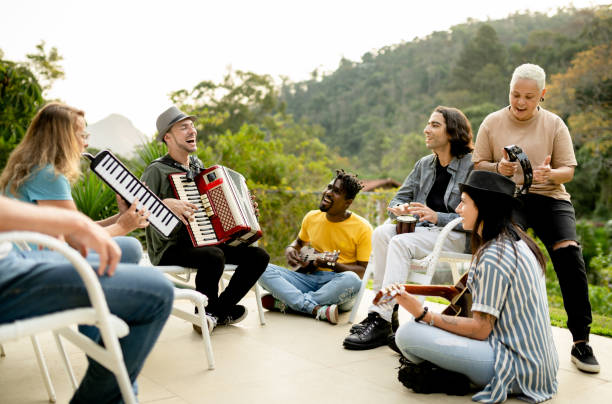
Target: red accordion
225	211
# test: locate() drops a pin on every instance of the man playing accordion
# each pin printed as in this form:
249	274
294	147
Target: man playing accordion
178	132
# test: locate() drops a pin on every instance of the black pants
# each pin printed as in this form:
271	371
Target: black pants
251	263
554	220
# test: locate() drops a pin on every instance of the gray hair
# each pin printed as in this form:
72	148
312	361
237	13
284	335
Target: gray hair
531	72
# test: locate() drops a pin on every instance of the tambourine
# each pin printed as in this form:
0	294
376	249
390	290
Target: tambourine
516	153
405	224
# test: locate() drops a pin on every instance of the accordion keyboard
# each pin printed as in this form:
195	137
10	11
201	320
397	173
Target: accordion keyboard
200	225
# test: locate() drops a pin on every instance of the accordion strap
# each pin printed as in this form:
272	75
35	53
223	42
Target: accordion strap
195	166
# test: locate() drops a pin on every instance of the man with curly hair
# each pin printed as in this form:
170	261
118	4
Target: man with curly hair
323	281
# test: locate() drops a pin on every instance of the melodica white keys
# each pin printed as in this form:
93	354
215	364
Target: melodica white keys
122	181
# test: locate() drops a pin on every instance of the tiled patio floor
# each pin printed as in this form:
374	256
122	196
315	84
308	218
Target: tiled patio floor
292	359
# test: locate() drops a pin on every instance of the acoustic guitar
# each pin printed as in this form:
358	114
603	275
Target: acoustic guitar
310	255
458	295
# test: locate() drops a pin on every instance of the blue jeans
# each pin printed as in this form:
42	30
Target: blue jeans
131	252
141	296
303	292
471	357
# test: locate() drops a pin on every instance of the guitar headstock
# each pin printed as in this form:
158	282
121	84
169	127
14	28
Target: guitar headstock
307	253
330	257
385	296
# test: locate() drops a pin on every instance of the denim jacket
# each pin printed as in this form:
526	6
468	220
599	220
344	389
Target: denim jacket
419	182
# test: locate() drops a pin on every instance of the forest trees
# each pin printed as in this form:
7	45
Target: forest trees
20	98
21	93
583	97
481	67
242	123
368	109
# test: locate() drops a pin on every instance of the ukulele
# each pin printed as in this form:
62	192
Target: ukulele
309	255
458	295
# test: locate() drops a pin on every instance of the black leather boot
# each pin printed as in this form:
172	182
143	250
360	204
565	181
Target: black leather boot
373	334
365	321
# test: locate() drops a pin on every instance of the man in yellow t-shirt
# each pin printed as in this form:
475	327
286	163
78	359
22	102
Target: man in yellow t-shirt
330	255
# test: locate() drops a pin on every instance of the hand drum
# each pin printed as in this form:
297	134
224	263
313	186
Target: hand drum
405	224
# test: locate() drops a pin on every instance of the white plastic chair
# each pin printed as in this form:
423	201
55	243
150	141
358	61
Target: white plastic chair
183	274
62	323
184	291
422	270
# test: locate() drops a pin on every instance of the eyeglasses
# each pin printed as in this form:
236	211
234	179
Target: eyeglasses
84	135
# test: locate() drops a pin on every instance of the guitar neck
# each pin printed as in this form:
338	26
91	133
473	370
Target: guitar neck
446	291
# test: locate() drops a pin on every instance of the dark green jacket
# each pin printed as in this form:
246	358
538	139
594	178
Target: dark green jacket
156	178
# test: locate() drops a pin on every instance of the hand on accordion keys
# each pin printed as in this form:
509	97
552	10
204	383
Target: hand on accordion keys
184	210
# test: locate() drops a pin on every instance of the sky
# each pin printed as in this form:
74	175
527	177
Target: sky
126	56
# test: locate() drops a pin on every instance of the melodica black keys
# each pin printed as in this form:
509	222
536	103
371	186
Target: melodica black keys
122	181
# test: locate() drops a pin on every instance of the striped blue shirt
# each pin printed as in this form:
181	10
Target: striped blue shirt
512	288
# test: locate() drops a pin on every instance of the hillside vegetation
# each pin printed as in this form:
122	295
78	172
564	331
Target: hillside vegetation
373	110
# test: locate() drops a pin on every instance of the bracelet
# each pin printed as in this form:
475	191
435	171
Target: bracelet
431	322
419	318
496	167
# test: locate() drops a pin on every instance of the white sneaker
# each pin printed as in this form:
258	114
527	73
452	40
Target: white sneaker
329	313
211	323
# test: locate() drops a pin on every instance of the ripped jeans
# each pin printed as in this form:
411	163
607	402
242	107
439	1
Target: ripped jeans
303	292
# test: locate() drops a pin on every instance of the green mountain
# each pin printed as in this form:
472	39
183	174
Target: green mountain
373	110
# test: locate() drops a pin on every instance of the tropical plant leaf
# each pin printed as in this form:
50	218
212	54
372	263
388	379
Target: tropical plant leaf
93	197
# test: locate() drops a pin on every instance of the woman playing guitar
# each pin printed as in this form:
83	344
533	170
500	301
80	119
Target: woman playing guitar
506	347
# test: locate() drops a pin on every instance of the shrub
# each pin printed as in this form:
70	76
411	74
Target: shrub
282	211
93	197
595	241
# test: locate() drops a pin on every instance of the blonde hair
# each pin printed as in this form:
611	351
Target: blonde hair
51	139
531	72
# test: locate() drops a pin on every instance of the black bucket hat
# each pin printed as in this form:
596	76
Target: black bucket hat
495	185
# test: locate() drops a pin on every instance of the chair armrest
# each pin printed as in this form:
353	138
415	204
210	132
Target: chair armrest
432	259
85	271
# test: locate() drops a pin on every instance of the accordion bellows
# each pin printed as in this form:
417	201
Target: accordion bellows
225	211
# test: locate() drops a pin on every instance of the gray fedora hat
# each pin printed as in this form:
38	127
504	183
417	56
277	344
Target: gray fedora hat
494	184
168	118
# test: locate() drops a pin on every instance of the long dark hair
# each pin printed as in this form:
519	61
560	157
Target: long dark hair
495	217
459	130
